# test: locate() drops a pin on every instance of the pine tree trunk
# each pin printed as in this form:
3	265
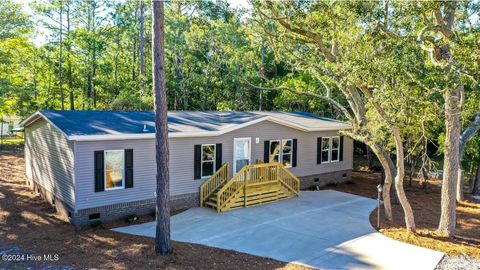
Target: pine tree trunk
162	236
134	51
451	161
62	98
117	42
69	62
142	44
94	55
262	73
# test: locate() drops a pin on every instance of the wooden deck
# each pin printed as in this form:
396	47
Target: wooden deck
252	185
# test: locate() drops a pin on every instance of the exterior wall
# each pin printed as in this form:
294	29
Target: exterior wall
50	161
181	152
144	185
182	162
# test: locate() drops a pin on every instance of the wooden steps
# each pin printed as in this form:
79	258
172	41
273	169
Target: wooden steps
252	185
256	195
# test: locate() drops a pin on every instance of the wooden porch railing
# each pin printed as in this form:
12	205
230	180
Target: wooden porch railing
256	174
213	183
289	180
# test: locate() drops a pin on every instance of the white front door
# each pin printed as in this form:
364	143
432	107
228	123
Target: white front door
241	153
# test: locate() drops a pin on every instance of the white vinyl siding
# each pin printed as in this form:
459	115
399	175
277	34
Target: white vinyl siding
50	160
181	159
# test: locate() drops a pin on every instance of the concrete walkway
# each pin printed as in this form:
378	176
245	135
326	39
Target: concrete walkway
322	229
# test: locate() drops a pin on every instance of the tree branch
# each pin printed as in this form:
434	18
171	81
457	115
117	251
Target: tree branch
468	133
300	31
333	102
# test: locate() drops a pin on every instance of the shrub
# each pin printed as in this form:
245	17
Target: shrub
95	223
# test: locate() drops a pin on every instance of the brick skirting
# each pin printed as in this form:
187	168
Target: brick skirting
142	207
323	179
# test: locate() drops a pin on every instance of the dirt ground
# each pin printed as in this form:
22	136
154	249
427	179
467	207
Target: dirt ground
426	207
29	223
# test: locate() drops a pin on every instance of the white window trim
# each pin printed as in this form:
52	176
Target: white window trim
105	170
331	149
280	153
327	150
202	161
249	152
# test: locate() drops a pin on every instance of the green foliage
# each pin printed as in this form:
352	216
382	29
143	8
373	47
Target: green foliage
348	39
13	21
212	58
95	223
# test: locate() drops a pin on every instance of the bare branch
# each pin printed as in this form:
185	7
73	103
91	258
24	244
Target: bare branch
468	133
333	102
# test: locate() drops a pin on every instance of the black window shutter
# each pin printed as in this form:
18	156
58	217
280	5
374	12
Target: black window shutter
266	151
218	156
99	171
319	150
341	148
128	168
294	154
197	173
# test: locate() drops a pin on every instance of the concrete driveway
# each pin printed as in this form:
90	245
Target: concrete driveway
321	229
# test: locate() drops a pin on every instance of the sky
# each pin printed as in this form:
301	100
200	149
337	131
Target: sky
42	33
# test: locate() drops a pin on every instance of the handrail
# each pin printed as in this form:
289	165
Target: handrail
289	180
257	174
231	188
213	183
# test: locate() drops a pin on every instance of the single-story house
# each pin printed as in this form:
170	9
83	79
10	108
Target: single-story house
101	164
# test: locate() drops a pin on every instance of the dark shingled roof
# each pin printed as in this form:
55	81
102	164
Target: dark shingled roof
74	123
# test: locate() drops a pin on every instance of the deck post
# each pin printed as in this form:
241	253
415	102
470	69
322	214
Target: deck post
245	192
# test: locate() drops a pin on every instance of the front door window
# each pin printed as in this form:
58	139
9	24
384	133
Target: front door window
241	153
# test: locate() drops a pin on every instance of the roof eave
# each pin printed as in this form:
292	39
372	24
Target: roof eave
34	117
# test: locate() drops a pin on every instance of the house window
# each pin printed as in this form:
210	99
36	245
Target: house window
208	160
287	152
275	151
114	175
325	149
335	149
281	151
